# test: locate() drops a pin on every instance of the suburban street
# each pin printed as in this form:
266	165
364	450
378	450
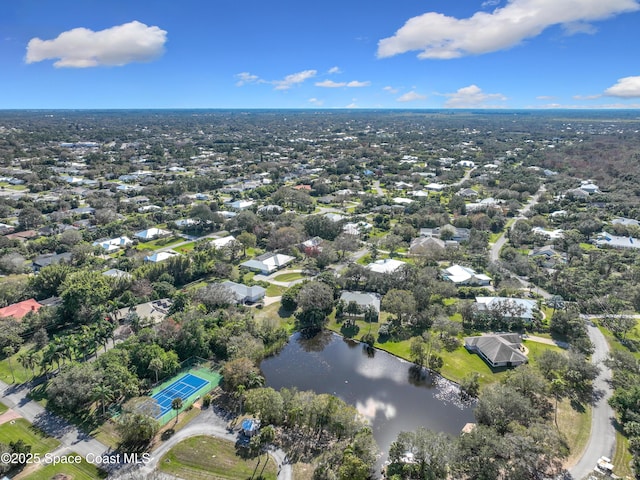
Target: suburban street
207	423
602	441
494	252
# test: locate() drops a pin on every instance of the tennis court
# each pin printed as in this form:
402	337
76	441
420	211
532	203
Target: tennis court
182	388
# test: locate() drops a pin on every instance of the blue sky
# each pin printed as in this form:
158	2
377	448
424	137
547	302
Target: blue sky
330	54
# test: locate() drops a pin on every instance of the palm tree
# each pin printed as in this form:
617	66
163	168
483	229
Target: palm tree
104	394
8	351
240	394
28	361
156	365
176	404
557	387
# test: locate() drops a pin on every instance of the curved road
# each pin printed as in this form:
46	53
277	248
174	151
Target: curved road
494	253
207	423
602	440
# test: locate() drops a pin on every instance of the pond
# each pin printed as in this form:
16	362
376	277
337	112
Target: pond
382	387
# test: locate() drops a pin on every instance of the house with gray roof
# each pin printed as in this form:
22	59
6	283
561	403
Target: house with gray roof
614	241
268	263
508	308
244	294
498	350
363	299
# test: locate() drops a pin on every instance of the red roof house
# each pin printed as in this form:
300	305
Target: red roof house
20	309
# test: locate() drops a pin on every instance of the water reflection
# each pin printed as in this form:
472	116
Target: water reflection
394	396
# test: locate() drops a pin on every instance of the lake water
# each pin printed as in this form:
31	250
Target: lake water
382	387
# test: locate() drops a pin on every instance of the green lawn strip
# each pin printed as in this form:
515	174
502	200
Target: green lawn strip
3	408
275	290
213	458
21	374
575	425
77	471
288	277
622	457
159	243
21	429
275	310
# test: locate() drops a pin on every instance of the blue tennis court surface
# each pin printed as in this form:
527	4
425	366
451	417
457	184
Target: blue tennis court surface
182	388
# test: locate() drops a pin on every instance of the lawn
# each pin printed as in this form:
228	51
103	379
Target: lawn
275	310
80	471
275	290
288	277
208	457
187	247
3	408
21	374
576	427
21	429
159	243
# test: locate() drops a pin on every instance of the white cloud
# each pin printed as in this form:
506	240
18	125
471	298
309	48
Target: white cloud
586	97
390	89
315	101
115	46
443	37
333	70
332	84
357	84
246	77
545	97
411	96
627	87
490	3
471	97
606	106
295	78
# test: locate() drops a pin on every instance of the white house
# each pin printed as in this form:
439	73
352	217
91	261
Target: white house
161	256
268	262
388	265
152	233
510	308
614	241
465	276
113	244
222	242
240	204
244	294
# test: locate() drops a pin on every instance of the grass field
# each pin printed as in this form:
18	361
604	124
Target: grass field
20	373
80	471
207	457
288	277
275	290
275	311
3	408
159	243
187	247
576	427
21	429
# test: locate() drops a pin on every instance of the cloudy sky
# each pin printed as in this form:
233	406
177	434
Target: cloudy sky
329	54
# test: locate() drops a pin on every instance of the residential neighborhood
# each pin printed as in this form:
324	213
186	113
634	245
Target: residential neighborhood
146	254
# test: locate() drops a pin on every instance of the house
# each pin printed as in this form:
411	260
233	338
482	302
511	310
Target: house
47	259
500	350
450	233
549	255
240	204
161	256
244	294
509	308
5	229
388	265
424	245
465	276
222	242
605	239
483	204
362	299
19	310
115	273
589	187
356	228
312	246
467	193
113	244
436	187
155	311
550	234
334	217
268	262
627	222
152	233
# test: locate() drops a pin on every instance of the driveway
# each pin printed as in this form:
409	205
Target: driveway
207	423
602	441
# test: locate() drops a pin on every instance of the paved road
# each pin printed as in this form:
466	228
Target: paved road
602	441
494	253
207	423
71	439
466	177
